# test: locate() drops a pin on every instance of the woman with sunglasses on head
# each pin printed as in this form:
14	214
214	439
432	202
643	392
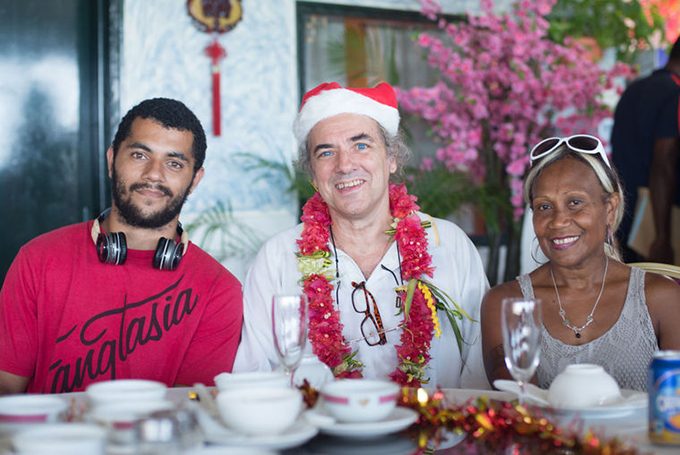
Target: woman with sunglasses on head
595	308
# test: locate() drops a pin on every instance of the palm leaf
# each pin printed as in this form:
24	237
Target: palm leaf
234	238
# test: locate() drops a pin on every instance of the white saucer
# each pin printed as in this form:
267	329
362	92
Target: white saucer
400	419
392	444
632	402
297	435
448	439
223	450
115	449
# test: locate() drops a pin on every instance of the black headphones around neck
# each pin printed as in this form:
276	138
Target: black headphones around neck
112	247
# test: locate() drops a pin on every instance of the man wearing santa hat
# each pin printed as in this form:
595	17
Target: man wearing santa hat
393	293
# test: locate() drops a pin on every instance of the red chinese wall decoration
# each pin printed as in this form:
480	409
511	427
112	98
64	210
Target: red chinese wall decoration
215	17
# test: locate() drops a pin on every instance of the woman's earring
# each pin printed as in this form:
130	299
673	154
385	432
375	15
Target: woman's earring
313	186
533	255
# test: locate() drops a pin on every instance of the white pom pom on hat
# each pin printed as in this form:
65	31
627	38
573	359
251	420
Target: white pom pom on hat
330	99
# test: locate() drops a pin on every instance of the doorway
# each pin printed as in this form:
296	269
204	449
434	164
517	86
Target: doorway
57	86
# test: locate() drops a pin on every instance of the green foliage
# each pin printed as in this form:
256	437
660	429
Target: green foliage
234	238
613	23
298	181
442	193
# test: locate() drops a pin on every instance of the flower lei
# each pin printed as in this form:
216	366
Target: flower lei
420	302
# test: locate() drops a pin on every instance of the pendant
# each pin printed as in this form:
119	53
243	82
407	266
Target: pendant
578	335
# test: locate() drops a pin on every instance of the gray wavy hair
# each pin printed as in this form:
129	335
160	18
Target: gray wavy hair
608	178
394	144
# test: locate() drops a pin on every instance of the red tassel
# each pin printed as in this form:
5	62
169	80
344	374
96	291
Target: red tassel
216	100
216	53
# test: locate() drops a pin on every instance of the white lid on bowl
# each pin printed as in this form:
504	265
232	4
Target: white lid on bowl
126	389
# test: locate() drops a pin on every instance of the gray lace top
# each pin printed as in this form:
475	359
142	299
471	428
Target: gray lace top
625	351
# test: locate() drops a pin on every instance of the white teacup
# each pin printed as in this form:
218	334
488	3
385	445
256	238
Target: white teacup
27	409
359	400
259	410
229	381
582	386
119	418
120	390
61	439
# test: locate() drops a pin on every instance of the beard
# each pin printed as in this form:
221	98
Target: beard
134	216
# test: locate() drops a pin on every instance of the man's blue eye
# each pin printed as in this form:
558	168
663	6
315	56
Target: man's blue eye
361	146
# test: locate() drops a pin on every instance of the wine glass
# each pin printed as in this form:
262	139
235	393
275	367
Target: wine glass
289	327
521	323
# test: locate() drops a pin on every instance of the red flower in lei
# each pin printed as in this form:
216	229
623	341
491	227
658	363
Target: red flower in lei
325	328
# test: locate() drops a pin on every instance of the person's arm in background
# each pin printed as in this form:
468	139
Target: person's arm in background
662	188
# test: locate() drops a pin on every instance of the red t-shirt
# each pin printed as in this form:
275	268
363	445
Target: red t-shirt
67	320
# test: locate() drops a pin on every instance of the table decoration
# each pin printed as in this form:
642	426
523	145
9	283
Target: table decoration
500	426
215	17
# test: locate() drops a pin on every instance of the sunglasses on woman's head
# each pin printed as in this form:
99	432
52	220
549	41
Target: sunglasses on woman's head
582	143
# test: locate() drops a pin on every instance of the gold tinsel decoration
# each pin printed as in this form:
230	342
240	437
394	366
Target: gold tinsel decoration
492	426
499	427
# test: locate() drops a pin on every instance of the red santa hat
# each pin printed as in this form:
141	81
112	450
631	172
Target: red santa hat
329	99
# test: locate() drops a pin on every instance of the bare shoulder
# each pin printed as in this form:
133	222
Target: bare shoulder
661	291
496	294
663	303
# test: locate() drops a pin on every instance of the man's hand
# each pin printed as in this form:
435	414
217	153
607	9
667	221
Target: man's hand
11	383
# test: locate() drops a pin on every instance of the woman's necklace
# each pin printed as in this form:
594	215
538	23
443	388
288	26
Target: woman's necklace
589	319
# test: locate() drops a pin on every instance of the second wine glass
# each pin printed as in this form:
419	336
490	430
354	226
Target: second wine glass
289	327
521	325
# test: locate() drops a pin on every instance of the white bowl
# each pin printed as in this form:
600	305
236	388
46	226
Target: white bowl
359	400
27	409
582	386
119	418
259	410
229	381
61	439
120	390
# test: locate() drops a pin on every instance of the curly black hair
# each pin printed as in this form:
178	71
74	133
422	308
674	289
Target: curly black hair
170	114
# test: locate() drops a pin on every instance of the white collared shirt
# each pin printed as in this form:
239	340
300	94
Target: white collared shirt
458	272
